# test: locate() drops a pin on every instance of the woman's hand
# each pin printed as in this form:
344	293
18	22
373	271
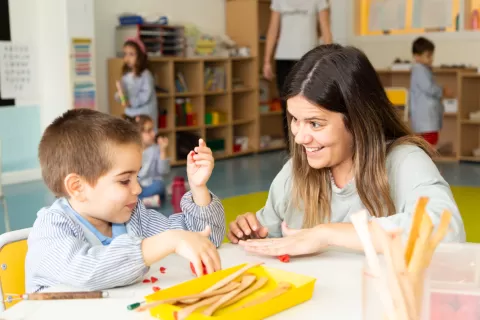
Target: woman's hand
294	242
267	71
200	165
246	226
162	143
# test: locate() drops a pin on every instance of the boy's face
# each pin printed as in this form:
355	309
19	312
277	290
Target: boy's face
115	194
425	58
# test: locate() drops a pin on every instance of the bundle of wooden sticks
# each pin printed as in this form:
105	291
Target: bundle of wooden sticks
224	293
400	285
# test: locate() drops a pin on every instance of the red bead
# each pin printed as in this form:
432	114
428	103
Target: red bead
192	268
162	269
155	289
146	280
284	258
153	279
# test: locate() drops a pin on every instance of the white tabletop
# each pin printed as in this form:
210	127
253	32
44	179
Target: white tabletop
337	292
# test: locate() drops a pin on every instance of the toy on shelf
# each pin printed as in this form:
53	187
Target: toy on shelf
215	117
184	113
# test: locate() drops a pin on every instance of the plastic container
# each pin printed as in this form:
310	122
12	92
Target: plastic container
451	289
372	304
178	190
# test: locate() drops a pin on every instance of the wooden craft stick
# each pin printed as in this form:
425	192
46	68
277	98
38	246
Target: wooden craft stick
246	282
227	279
182	314
417	263
414	231
405	284
232	277
256	286
226	289
231	286
438	236
360	223
281	289
392	276
65	295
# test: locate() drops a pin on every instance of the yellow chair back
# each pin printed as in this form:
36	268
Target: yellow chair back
13	250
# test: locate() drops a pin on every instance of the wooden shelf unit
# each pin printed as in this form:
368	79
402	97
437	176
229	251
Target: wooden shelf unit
450	143
236	105
469	129
247	24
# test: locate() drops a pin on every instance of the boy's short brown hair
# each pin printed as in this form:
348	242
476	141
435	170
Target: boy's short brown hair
77	142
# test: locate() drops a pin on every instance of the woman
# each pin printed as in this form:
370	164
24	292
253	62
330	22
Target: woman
350	151
294	24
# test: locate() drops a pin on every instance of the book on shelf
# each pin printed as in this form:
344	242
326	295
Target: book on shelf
214	78
180	83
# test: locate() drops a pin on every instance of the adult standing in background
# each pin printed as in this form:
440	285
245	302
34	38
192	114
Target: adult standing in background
294	28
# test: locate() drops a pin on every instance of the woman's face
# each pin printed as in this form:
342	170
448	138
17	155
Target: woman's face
322	133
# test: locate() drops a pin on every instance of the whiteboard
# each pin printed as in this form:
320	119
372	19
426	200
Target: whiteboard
387	15
432	14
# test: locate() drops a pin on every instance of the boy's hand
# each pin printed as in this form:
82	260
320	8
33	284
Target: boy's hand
198	249
200	165
162	142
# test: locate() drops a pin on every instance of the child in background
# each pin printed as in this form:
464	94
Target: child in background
155	164
426	106
136	90
98	235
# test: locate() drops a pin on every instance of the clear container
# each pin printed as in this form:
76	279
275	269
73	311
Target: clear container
372	304
451	287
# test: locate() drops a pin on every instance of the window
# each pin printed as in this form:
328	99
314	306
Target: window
399	15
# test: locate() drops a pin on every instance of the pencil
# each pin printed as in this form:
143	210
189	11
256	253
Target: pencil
65	295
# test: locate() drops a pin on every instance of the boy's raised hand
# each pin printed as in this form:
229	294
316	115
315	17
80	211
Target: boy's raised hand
200	165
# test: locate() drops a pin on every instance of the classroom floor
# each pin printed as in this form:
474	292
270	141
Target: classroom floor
232	177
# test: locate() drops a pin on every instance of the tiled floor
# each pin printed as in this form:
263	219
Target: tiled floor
231	177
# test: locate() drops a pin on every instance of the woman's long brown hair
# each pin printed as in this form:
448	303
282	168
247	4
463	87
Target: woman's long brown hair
342	79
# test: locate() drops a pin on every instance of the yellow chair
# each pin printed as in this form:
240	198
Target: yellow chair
13	250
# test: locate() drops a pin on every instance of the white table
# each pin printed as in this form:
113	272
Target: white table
337	292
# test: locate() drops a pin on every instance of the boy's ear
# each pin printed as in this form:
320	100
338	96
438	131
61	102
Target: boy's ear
75	186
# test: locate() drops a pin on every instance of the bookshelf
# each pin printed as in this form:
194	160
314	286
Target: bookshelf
451	146
469	115
214	98
252	34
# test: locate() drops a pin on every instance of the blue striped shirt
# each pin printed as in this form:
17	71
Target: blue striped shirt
62	251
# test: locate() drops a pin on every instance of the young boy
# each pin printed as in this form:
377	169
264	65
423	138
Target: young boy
98	235
426	107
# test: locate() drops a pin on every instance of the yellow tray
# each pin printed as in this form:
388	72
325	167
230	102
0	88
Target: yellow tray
301	291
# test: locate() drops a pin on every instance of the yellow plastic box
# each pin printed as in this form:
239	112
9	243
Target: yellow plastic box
301	291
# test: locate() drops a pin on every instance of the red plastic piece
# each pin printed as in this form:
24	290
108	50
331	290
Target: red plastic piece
193	269
163	269
146	281
153	279
284	258
155	289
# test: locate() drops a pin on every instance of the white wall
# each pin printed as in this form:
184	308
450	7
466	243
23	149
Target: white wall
208	15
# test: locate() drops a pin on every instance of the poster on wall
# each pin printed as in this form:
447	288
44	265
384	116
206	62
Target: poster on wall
5	36
83	81
431	14
84	94
387	15
17	71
